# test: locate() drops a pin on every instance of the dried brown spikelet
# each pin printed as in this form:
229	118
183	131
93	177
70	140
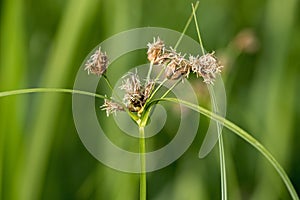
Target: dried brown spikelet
133	92
97	64
148	89
206	66
111	107
136	94
155	50
178	67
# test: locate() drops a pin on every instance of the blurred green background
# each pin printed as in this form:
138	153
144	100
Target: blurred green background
43	43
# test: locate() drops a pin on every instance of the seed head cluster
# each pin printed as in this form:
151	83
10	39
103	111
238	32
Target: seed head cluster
97	64
136	94
177	66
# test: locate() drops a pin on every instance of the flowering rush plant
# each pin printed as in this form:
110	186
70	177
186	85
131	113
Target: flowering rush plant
140	95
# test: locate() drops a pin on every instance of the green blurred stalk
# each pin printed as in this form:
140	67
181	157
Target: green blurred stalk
188	182
12	67
273	93
76	15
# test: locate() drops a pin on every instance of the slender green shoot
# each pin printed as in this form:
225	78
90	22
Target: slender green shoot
197	27
222	168
179	40
108	82
149	71
119	100
219	126
158	87
186	26
159	74
171	88
143	178
49	90
221	146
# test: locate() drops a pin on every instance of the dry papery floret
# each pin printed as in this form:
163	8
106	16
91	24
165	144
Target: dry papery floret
136	94
111	107
177	66
97	63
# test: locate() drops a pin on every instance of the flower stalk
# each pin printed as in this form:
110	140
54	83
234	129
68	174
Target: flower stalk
143	176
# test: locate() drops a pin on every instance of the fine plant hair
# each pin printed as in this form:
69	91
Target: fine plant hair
140	98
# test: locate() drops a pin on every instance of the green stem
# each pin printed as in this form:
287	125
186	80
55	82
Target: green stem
171	88
244	135
221	145
158	87
108	82
143	176
197	28
119	100
158	75
43	90
149	71
186	26
222	168
219	126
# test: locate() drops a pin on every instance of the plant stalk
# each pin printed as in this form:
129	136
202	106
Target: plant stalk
43	90
221	145
143	177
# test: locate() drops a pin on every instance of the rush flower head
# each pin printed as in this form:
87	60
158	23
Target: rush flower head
155	50
97	64
206	66
148	89
111	107
177	67
136	94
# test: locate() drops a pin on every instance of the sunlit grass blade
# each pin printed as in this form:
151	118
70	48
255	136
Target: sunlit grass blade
13	64
46	109
272	96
